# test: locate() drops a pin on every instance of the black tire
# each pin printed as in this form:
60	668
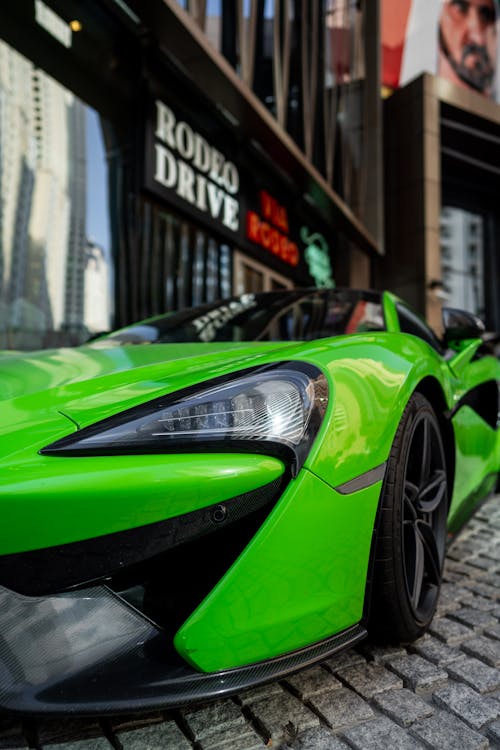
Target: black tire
411	536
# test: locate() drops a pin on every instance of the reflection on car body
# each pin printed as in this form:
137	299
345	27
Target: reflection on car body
215	497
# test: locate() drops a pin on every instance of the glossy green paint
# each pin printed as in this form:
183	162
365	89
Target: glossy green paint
90	383
371	377
301	579
47	501
477	457
461	362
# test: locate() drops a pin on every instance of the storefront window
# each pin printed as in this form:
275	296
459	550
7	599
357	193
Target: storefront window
55	269
462	259
344	98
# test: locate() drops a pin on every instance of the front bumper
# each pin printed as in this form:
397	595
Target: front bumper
90	653
222	620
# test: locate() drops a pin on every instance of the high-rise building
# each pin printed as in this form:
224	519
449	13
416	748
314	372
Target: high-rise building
43	191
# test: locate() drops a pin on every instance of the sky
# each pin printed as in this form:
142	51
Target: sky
97	224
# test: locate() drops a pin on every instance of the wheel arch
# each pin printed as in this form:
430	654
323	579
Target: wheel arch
433	392
431	389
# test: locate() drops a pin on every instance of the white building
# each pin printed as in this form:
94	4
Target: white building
97	285
462	259
42	199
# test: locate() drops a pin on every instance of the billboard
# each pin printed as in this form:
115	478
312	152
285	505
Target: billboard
455	39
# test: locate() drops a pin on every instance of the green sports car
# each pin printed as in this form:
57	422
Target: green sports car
216	497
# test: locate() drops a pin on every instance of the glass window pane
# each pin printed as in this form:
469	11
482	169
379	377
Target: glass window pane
55	268
462	259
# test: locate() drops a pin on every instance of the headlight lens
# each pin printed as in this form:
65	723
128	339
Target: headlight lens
281	406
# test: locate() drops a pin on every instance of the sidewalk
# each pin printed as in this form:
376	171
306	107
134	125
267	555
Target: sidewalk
443	692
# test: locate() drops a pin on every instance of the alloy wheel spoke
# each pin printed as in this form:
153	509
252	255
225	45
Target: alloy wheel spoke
432	562
431	495
417	569
410	495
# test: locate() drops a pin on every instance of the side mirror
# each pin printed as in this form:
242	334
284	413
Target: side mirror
459	325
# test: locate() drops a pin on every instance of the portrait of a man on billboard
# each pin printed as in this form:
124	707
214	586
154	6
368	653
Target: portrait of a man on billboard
455	39
468	43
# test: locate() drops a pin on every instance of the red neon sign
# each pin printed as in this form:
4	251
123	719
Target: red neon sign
270	233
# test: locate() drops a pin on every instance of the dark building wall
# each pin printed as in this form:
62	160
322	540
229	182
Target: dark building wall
442	148
300	122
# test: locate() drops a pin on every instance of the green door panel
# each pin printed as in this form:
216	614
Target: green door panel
460	362
477	455
301	579
47	501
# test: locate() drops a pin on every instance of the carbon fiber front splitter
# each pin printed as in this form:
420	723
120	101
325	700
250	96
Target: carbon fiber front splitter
88	652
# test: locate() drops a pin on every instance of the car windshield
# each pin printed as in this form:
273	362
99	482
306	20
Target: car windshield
294	315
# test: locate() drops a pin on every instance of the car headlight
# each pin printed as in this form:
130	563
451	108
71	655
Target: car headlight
274	409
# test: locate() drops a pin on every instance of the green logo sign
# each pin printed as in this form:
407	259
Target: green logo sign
317	256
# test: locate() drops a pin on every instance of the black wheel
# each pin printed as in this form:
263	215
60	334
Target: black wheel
411	538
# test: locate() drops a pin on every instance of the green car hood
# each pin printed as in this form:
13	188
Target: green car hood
45	395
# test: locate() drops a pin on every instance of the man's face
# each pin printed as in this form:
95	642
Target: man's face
468	41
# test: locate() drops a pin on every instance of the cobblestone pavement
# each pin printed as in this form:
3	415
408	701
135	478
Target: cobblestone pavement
442	692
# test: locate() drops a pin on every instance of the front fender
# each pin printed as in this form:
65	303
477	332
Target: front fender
371	379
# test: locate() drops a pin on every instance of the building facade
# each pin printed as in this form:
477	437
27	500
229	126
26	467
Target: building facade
182	152
157	154
441	67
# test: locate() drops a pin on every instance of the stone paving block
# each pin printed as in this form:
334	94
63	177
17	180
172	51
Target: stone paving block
464	702
157	737
450	631
381	654
369	679
462	568
442	731
344	659
475	673
315	739
494	731
486	649
403	706
313	681
242	739
51	731
473	618
482	563
419	674
380	734
445	606
482	603
258	693
99	743
460	551
493	579
282	717
452	576
482	588
493	631
456	593
216	717
492	551
342	709
436	651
